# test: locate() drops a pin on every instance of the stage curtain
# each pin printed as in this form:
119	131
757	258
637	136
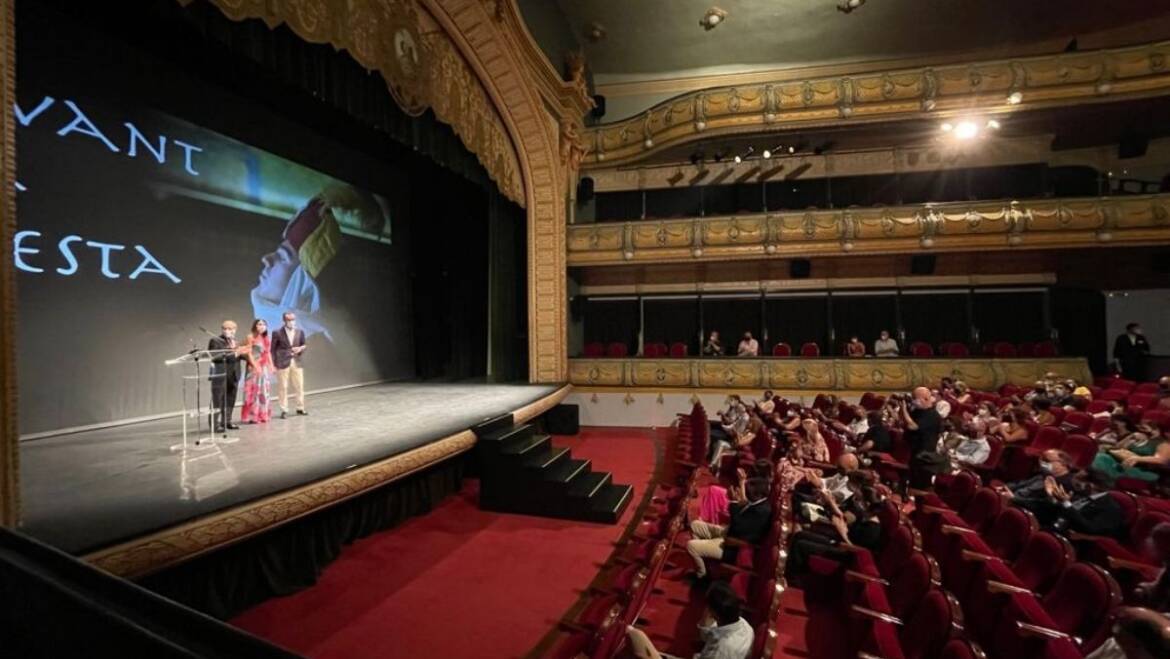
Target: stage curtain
1014	317
935	318
57	606
612	321
670	320
796	320
291	557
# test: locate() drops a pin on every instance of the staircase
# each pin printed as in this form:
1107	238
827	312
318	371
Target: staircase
522	472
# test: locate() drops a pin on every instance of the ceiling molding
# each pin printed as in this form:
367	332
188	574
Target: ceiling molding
820	285
943	91
926	228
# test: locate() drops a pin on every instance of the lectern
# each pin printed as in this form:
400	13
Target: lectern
193	406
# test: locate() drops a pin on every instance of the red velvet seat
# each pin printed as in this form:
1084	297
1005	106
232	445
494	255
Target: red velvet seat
616	349
1042	560
921	349
935	621
781	350
1098	406
954	350
1114	394
1082	602
1003	349
678	349
1121	384
810	349
1026	349
1046	349
594	349
1046	439
1143	400
1009	532
912	583
1080	422
961	648
1081	448
1146	388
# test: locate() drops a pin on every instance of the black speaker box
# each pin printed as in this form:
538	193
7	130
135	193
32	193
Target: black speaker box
584	189
922	264
799	268
564	419
598	110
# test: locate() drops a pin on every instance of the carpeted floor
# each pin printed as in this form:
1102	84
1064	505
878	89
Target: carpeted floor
461	582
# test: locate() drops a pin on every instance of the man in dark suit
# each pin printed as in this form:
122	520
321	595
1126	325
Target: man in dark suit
1130	351
288	343
225	374
749	524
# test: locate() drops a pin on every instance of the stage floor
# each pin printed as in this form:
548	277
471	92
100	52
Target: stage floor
84	491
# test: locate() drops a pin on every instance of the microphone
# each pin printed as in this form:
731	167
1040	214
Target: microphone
204	330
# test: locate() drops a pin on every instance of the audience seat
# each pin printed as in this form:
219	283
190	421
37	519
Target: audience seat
921	349
1146	388
616	349
678	349
1026	349
1046	349
1079	422
954	349
810	349
594	349
1003	349
781	350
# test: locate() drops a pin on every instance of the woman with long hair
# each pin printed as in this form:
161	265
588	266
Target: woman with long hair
256	379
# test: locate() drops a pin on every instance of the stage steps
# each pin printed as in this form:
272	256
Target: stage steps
521	471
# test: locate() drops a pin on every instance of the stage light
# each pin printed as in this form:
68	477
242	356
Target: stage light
712	18
993	124
946	127
767	154
738	159
791	149
966	130
1015	98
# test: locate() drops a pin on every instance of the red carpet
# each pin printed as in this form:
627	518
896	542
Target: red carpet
459	582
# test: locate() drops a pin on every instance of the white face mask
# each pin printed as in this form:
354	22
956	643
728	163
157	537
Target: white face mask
1046	467
229	334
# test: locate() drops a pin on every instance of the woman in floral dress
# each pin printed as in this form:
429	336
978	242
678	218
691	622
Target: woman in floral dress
256	380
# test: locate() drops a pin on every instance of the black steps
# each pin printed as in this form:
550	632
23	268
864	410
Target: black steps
523	472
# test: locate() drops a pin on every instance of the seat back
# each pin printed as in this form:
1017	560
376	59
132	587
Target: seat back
678	349
810	349
983	507
1046	349
1081	603
961	648
1081	449
900	545
1143	400
912	583
1003	349
1143	524
959	491
935	621
616	349
957	350
1042	560
781	350
1026	349
1121	384
1047	437
594	349
1079	421
921	349
1009	532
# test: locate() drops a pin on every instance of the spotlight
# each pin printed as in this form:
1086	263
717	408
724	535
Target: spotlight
738	159
712	18
946	127
767	154
746	154
791	149
1015	98
966	130
847	6
993	124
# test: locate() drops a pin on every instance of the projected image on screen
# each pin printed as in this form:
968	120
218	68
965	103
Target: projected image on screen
147	231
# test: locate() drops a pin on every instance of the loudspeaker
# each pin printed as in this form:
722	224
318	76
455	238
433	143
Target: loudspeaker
1132	146
563	419
585	189
922	264
598	110
799	268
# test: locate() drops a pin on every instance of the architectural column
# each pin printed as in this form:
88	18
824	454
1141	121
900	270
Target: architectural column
9	454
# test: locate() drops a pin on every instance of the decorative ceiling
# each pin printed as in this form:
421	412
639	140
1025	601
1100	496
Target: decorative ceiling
652	50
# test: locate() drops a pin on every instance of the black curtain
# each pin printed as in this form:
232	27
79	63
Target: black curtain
508	334
671	320
1014	317
612	321
674	202
1079	315
935	318
797	320
731	317
618	206
863	316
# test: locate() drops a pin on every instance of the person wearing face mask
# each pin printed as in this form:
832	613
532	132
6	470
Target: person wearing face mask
1130	350
1037	493
749	347
923	425
288	344
885	346
723	631
225	375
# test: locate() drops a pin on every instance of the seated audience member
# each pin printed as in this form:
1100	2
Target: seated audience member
1164	392
1036	492
1116	408
857	525
1012	429
713	348
767	404
946	386
790	469
1138	633
727	428
965	449
748	347
1083	510
963	392
1126	458
1043	412
815	448
856	428
715	501
748	522
855	348
837	485
877	435
744	438
1156	594
1120	427
885	346
723	631
984	419
1038	390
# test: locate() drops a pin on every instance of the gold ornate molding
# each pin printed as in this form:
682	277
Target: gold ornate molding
828	374
1044	81
183	542
418	62
9	452
949	227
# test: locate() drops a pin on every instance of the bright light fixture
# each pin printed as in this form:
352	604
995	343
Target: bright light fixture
738	159
993	124
946	127
966	130
767	154
791	149
1015	98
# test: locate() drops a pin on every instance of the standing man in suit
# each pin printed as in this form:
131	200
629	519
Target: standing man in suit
1130	351
288	344
225	375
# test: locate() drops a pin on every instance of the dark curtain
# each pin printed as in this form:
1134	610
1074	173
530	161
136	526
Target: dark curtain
291	557
798	194
731	317
508	305
618	206
863	316
797	320
449	226
671	320
612	321
935	318
1014	317
1079	315
674	202
720	199
57	606
942	185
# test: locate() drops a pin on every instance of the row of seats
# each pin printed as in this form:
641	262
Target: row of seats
678	349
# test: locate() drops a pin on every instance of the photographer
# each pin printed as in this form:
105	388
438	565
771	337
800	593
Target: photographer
923	424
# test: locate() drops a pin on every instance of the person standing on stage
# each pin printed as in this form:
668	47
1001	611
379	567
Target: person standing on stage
258	353
288	344
1130	351
225	374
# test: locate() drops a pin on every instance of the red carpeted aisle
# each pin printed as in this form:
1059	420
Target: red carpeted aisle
460	582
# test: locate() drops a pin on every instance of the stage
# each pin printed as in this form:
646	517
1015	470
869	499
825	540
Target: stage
123	497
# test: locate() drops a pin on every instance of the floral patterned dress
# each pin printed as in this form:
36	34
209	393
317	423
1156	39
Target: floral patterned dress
256	381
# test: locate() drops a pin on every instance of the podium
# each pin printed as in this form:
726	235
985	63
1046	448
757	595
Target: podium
193	406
